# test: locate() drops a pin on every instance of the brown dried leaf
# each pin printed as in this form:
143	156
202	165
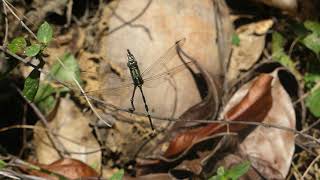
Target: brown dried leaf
256	104
252	43
70	168
253	107
271	149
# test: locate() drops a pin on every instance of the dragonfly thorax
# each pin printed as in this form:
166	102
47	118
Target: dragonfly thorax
134	70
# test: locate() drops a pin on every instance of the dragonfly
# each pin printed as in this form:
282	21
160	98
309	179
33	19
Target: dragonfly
151	73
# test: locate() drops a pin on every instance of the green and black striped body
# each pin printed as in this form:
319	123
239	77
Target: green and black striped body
134	70
137	82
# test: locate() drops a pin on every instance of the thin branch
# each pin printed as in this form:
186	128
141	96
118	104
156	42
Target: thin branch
130	22
18	163
26	62
5	39
56	134
213	121
84	94
296	40
310	166
18	12
55	141
20	20
57	80
24	132
296	171
69	13
304	96
15	175
311	126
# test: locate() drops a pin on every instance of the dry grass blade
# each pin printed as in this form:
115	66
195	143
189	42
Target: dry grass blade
84	94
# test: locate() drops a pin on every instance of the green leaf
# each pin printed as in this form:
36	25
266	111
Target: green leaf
33	50
31	85
45	33
45	98
286	61
312	26
17	45
220	171
238	170
45	90
2	164
235	39
310	79
220	174
218	178
71	69
213	178
118	175
278	52
312	42
47	105
277	43
313	102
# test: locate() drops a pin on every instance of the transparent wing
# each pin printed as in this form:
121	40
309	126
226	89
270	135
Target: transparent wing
150	82
157	79
155	73
159	64
118	90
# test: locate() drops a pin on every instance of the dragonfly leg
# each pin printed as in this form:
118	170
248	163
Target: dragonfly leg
132	99
146	107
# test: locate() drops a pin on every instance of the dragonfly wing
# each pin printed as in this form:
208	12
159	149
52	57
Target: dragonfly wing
157	79
112	91
158	66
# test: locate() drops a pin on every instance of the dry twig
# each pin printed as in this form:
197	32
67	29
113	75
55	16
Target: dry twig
61	150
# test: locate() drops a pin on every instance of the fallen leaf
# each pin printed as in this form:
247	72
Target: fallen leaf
251	44
253	107
271	149
70	168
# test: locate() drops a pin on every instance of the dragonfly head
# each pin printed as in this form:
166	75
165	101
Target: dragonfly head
130	57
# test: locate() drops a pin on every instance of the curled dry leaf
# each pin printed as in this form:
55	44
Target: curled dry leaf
270	150
252	42
253	107
70	168
206	109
